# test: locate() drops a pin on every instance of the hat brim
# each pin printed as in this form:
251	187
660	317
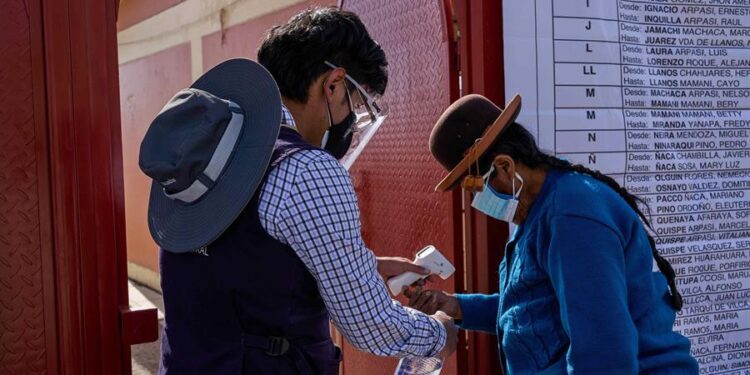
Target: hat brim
181	227
489	137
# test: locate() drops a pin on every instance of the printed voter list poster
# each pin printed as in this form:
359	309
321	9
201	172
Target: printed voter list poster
656	94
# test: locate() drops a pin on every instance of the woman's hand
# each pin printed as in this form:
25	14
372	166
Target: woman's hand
430	301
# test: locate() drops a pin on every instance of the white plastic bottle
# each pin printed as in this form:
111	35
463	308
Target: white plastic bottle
419	366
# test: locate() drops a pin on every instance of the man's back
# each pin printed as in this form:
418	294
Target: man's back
243	288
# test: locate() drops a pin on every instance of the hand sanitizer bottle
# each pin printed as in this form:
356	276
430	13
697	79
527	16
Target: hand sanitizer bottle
419	366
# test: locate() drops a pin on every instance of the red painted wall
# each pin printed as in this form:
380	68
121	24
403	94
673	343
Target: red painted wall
146	85
134	11
243	40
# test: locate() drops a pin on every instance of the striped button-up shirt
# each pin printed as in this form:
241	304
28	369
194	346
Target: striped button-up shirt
308	202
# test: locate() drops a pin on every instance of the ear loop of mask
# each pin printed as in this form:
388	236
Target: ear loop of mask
324	141
515	194
487	176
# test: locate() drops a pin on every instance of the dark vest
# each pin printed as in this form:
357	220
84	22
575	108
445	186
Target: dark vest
248	305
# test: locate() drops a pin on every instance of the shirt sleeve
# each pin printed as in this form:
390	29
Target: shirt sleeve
586	265
479	312
319	219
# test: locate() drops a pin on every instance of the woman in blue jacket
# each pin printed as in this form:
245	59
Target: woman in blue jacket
578	294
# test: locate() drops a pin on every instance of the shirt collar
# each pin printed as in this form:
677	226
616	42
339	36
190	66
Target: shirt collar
286	117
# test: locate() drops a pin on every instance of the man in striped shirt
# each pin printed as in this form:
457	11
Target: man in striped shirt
327	65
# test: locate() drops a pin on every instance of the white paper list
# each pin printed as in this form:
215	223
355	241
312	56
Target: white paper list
657	95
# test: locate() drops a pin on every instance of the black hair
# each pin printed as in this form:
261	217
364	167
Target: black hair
520	145
295	53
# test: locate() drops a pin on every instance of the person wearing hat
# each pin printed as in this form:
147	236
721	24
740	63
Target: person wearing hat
577	291
257	220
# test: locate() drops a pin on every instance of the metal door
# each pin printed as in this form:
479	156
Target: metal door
63	286
395	176
481	60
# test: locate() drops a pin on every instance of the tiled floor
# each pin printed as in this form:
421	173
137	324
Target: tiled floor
145	357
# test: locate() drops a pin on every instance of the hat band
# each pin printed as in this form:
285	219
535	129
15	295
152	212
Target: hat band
218	161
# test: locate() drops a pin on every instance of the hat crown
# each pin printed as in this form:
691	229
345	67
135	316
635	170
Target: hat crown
458	129
183	137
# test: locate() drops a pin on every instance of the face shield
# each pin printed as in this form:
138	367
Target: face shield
369	114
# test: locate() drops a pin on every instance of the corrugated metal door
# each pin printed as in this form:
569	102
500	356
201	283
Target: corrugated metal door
396	175
481	61
27	298
63	287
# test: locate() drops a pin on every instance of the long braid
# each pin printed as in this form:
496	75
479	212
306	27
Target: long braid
519	144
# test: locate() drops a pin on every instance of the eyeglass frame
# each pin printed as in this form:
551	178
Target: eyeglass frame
370	101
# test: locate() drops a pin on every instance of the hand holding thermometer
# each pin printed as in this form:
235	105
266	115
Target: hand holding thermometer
429	258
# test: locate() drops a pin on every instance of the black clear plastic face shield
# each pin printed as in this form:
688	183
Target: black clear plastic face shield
369	112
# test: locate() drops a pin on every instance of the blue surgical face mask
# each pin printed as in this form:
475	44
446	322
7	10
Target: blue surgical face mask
498	205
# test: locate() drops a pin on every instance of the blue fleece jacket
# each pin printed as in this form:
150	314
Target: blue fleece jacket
577	290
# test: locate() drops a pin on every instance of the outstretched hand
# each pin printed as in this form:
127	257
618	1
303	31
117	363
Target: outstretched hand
431	301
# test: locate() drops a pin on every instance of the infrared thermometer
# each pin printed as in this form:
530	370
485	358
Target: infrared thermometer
429	258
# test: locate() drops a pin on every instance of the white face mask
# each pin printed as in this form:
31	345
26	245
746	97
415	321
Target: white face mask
500	206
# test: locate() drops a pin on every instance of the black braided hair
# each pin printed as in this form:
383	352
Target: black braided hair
520	145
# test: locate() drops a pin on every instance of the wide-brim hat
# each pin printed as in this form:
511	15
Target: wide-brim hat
183	225
466	130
